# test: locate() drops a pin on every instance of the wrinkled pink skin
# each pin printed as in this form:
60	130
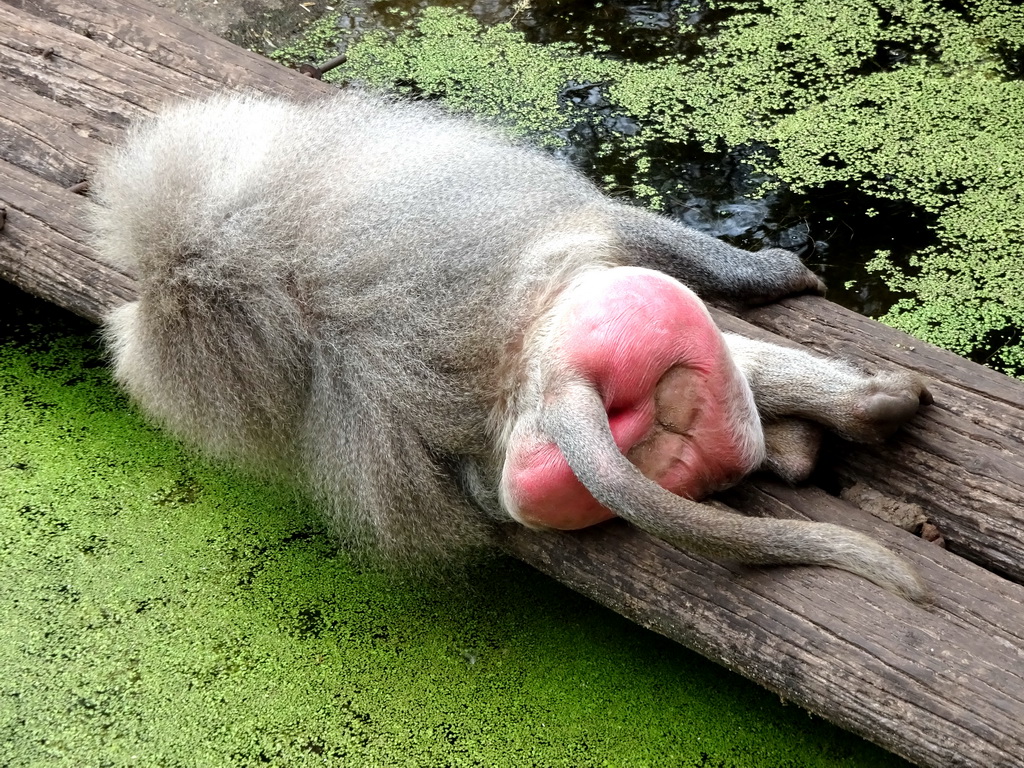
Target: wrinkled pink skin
650	349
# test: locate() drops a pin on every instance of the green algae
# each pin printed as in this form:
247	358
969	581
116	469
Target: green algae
945	131
318	43
161	611
490	71
919	101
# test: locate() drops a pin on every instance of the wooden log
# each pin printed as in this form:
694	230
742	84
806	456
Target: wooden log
165	49
971	487
941	686
961	461
43	248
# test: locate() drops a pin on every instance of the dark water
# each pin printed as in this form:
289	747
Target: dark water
715	192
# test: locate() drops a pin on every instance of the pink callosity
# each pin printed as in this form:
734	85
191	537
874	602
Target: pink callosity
650	348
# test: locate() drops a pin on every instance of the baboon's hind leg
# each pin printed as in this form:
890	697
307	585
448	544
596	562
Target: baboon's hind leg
862	407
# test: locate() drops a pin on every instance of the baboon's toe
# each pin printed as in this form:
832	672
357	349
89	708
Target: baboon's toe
888	401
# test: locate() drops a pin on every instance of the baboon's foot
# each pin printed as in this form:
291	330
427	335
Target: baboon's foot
792	448
884	403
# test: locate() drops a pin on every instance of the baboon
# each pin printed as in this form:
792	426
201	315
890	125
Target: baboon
437	329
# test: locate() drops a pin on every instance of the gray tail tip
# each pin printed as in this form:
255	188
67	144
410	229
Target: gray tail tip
901	579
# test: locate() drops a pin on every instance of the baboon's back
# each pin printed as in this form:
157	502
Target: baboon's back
331	288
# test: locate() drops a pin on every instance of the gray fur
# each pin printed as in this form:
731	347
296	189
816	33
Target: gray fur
345	292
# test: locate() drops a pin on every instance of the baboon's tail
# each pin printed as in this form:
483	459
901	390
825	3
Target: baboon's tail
577	422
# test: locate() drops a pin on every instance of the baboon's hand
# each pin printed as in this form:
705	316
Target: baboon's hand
885	402
808	282
782	273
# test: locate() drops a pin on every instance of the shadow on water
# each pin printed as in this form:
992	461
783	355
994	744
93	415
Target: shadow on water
719	192
638	32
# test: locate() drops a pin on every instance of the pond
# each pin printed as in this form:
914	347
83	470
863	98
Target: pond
888	133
